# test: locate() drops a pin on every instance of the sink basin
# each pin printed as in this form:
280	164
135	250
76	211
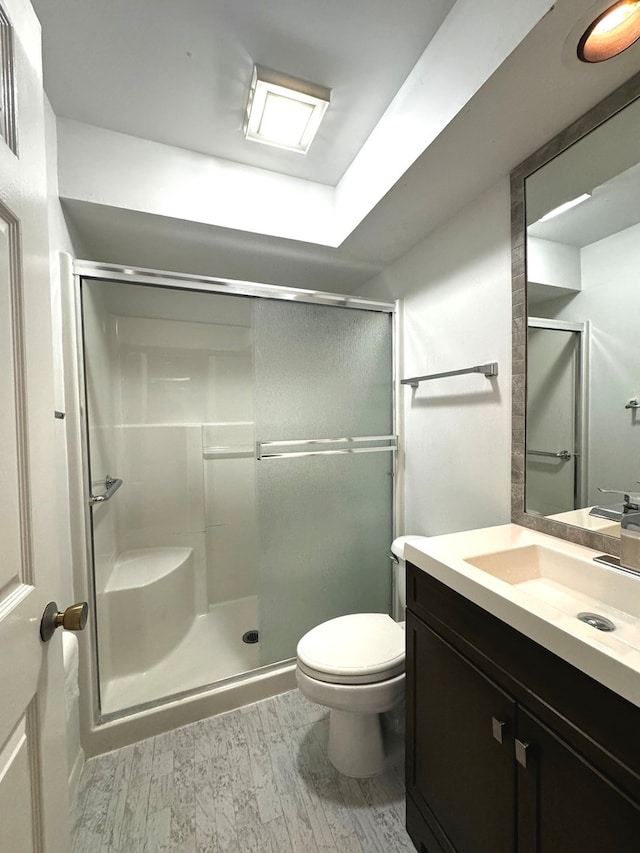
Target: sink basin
571	584
539	585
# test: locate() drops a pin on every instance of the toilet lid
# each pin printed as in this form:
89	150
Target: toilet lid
361	648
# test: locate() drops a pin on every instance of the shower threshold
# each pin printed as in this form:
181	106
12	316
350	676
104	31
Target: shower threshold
211	650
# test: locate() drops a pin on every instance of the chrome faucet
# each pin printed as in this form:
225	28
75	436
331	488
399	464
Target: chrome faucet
616	512
629	504
630	541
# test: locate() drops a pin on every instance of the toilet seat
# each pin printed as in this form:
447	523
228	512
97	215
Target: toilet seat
361	648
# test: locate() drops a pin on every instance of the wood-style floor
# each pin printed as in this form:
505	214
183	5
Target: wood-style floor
255	779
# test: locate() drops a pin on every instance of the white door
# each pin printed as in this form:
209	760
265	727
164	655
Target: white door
33	771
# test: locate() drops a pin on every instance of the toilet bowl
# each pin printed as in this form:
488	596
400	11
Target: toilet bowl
354	665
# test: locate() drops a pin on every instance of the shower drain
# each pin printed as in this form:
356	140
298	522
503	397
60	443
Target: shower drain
250	636
597	621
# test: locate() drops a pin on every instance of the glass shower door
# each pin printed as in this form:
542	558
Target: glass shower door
253	438
324	479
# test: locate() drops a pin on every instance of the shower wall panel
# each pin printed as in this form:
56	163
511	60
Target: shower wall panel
232	550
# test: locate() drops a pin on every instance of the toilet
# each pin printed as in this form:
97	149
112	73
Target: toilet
354	665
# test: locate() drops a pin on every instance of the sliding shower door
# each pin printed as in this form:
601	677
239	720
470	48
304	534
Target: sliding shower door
240	479
324	423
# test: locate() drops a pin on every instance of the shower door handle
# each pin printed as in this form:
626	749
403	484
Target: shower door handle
111	484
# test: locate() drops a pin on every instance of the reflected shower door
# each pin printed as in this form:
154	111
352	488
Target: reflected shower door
324	419
553	420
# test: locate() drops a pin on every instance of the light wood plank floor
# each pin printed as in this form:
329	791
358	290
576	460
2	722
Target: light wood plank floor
256	779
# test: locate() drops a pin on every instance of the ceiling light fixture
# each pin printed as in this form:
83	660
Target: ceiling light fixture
284	111
613	31
567	205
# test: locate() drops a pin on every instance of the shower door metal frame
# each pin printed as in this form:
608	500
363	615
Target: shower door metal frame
84	270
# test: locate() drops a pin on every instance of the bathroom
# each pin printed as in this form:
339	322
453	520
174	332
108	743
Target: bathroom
445	253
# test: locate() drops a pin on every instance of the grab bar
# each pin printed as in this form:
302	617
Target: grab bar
323	441
111	484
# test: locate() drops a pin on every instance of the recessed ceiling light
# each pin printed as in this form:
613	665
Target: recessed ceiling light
284	111
613	31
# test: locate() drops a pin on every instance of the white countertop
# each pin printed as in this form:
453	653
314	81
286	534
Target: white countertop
603	656
581	518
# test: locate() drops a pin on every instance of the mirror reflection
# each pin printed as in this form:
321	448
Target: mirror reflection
583	340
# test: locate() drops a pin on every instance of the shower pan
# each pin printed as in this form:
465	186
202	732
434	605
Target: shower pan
239	448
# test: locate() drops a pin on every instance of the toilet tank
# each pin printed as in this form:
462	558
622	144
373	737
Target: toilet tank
400	578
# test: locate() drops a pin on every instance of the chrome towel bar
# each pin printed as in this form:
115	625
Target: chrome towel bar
490	369
111	485
260	445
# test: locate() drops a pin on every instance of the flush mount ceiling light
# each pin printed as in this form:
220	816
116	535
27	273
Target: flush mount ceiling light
613	31
284	111
567	205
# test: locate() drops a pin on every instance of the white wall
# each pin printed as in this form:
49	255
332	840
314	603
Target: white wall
60	241
553	264
456	287
610	298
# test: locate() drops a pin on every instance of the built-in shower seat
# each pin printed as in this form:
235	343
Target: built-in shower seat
149	602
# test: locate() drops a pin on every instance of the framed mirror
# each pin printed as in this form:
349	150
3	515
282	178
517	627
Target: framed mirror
575	207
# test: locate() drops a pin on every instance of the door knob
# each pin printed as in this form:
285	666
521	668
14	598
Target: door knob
74	618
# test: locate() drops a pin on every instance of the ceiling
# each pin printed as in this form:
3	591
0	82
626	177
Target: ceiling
178	74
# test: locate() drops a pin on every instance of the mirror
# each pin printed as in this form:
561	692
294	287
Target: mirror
576	264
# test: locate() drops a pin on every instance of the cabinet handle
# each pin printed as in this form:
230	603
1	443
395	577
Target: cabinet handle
521	752
497	728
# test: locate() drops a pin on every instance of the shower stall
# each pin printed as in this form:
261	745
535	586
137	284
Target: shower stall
239	448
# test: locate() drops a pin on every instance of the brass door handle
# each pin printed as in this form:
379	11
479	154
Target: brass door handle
74	618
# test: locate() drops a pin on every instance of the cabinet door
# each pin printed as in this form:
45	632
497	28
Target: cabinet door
458	772
565	805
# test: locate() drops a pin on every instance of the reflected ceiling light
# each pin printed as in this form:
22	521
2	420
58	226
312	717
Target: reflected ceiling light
612	32
566	206
284	111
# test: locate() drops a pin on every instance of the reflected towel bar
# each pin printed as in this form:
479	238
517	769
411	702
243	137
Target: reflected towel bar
490	369
111	484
561	454
260	445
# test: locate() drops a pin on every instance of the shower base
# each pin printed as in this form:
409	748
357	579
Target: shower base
212	649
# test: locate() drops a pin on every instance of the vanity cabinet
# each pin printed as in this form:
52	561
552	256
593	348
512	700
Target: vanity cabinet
509	748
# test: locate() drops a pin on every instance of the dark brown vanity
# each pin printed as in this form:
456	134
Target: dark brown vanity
510	748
